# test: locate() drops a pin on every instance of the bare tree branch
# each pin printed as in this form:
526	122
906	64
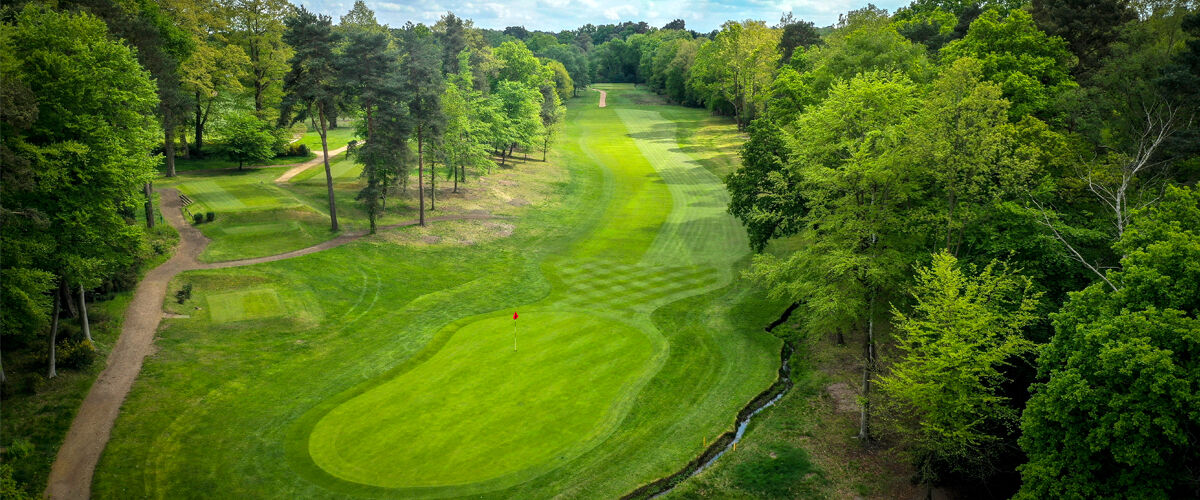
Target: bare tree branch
1071	248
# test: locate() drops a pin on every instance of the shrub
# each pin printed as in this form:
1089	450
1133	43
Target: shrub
184	293
76	355
297	150
197	218
351	147
209	216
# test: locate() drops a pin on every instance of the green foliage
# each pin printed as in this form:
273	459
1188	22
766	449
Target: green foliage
77	134
763	192
1031	67
944	390
857	201
738	67
1116	415
1088	26
864	41
248	139
9	487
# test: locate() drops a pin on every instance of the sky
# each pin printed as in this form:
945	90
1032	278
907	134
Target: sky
557	15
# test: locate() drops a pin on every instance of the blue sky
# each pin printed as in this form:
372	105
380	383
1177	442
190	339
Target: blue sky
555	15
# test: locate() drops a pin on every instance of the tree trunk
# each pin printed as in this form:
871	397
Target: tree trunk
432	186
54	335
149	189
169	143
328	172
455	170
199	142
83	319
864	422
67	300
183	144
421	174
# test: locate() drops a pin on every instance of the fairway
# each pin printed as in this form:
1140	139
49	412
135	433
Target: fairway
637	341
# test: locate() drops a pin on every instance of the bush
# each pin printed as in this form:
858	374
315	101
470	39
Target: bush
23	383
76	355
351	147
209	216
184	293
197	218
9	487
297	150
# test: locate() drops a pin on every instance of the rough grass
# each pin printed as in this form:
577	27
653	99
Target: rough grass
632	363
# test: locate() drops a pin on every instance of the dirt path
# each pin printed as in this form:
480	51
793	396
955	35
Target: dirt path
603	96
73	468
71	474
294	171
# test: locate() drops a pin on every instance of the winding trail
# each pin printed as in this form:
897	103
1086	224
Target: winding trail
300	167
73	468
603	96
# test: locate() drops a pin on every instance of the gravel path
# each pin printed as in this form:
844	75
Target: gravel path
603	96
71	474
319	160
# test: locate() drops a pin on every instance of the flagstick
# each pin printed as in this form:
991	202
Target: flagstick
514	335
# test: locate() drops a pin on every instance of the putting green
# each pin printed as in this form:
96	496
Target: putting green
448	422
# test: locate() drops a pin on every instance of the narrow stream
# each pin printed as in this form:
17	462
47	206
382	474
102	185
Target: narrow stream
726	441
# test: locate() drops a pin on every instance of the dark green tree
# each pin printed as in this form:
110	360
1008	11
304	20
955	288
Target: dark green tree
764	193
311	86
423	82
1117	414
1088	26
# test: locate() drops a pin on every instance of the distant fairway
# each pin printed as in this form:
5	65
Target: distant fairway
637	341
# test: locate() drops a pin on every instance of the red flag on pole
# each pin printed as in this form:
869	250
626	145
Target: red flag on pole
514	315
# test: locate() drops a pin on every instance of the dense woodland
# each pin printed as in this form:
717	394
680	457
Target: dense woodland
994	201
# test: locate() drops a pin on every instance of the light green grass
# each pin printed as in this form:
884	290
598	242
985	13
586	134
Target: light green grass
402	383
243	305
487	420
336	137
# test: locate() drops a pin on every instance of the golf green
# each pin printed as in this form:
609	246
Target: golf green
566	384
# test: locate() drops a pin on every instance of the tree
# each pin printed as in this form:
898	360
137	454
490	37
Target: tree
677	24
257	26
865	40
963	138
1088	26
1031	67
857	220
944	391
1116	414
77	148
213	68
764	193
248	139
797	33
371	79
311	84
739	66
421	67
453	33
465	141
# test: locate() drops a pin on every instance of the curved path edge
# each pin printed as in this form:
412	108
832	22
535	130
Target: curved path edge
75	465
295	170
603	96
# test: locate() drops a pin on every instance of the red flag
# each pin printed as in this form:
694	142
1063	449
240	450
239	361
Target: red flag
514	315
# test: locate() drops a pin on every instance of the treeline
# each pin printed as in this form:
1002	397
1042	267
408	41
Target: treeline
97	95
995	203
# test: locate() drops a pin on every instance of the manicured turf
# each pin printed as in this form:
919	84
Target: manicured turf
391	371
